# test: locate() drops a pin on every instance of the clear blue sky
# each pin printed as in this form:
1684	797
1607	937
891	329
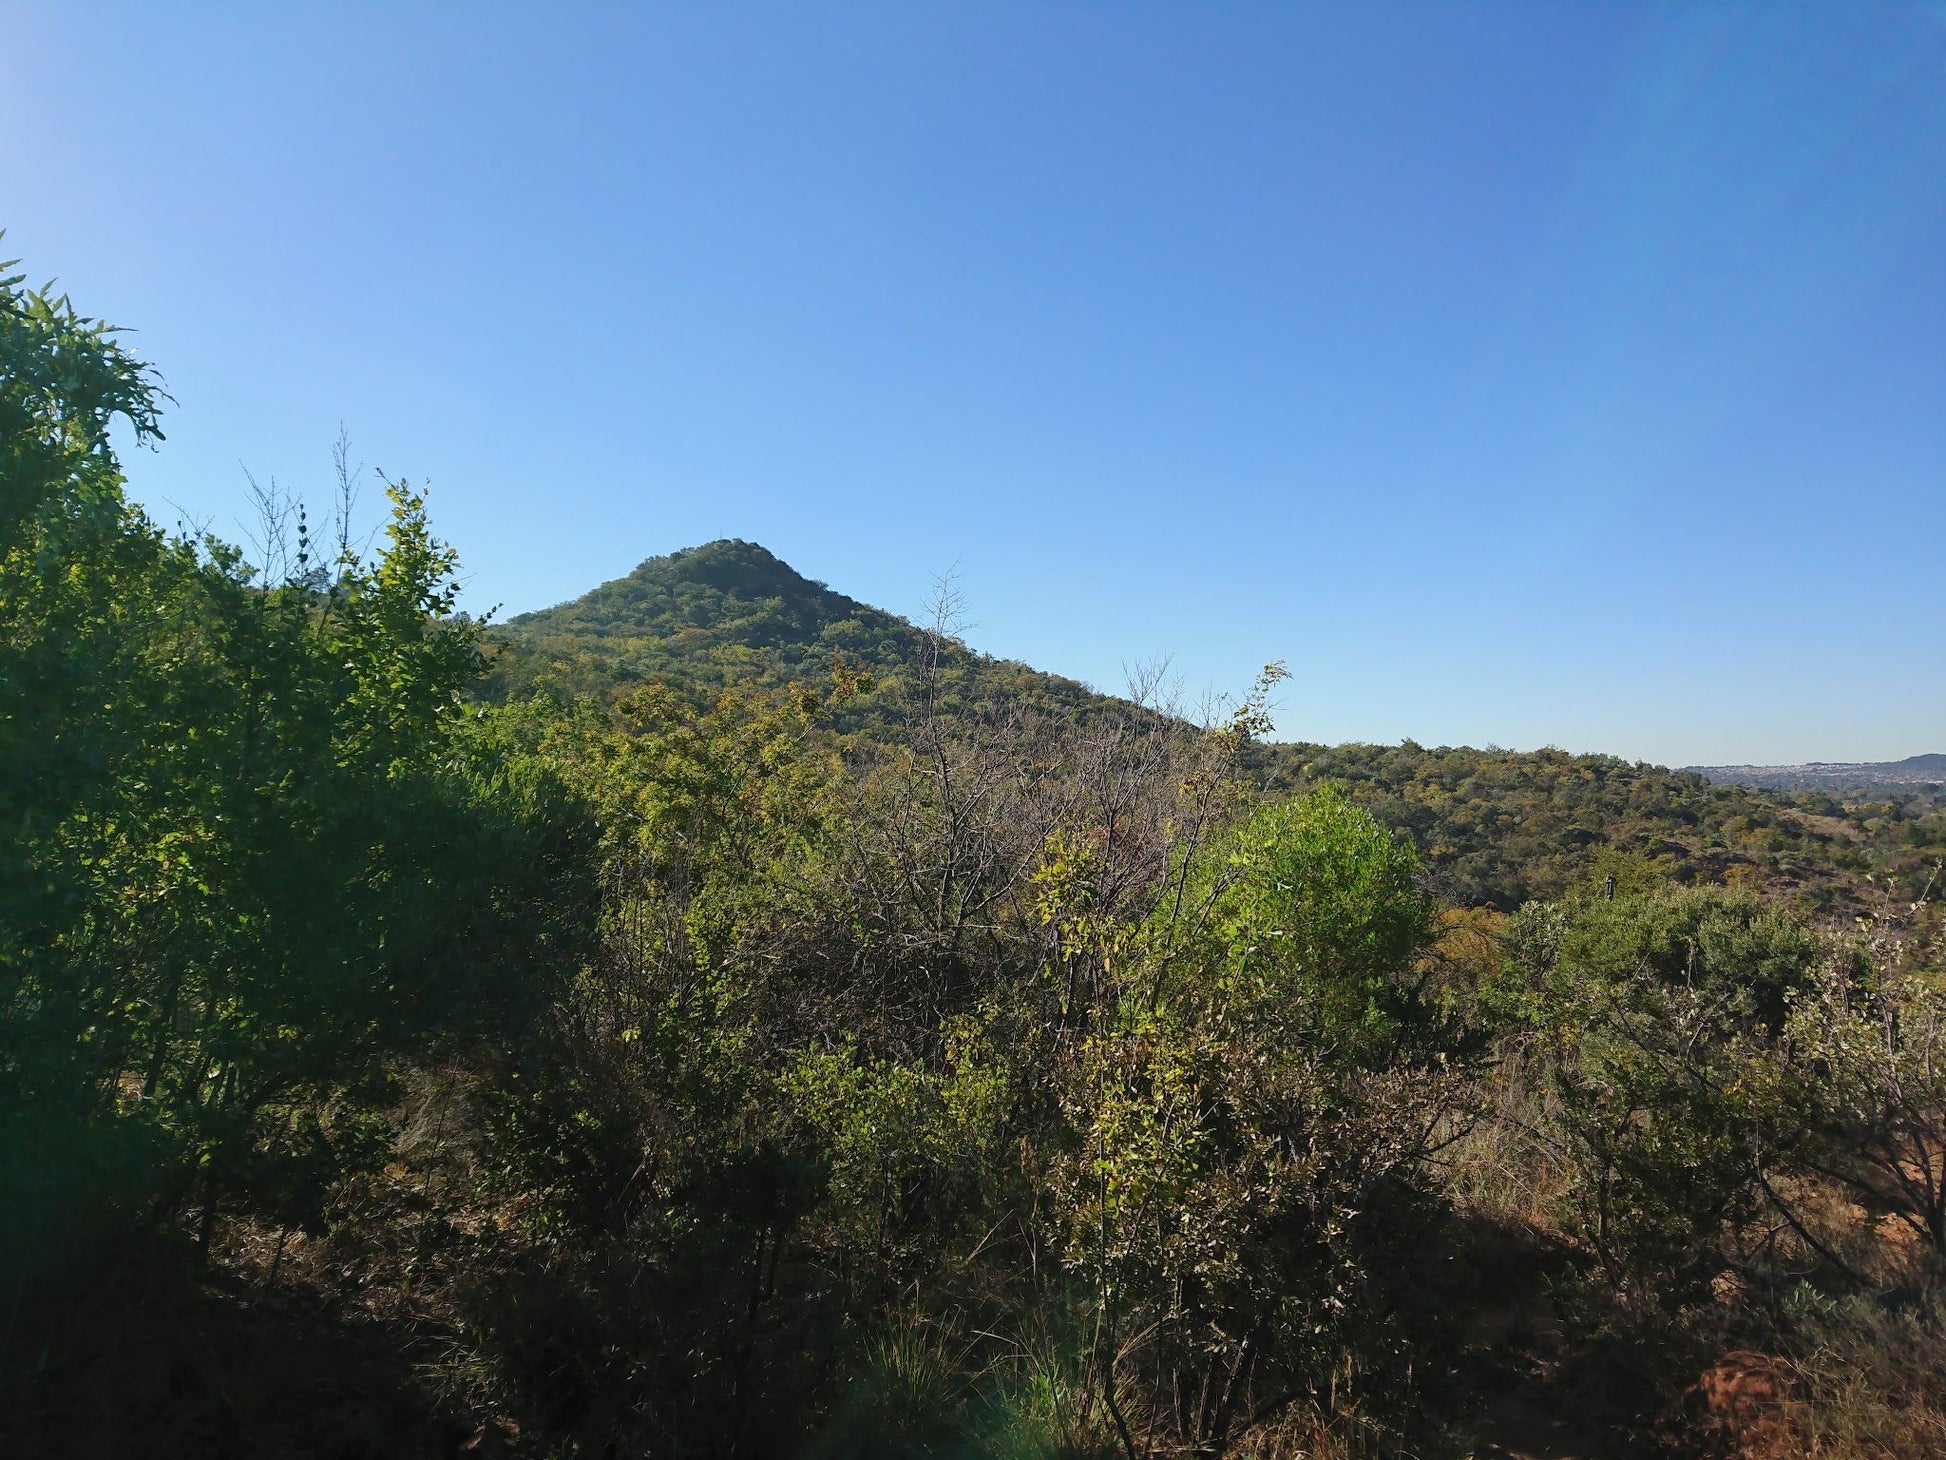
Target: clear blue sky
1539	373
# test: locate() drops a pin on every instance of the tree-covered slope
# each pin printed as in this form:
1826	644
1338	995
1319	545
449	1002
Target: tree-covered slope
1494	826
733	612
1505	826
709	612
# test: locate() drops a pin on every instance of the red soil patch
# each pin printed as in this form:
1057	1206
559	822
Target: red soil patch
1738	1409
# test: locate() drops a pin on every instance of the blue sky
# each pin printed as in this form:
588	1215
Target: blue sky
1520	374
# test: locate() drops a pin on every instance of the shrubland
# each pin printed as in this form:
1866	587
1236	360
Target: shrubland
410	1045
1492	827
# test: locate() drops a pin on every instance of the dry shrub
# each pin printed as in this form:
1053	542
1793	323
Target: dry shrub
1866	1378
1317	1433
1501	1163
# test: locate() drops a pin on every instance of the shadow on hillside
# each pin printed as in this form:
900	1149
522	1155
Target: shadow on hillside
1545	1389
158	1358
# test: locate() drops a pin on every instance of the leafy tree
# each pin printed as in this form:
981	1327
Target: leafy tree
253	857
1250	1131
1869	1047
1663	1013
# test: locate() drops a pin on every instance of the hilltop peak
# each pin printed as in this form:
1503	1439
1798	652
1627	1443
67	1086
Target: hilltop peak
732	564
720	610
728	572
730	611
738	569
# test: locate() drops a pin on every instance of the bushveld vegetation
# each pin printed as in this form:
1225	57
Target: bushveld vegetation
829	1041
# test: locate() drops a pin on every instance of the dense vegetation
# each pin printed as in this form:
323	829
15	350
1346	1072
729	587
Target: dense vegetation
731	613
734	1022
1507	827
1492	826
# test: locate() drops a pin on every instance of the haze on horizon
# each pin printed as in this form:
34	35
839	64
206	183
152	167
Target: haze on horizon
1520	374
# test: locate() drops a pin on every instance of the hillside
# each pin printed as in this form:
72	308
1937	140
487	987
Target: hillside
1494	827
1506	826
733	612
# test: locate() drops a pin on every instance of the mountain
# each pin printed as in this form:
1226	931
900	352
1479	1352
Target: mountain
1493	826
733	612
1914	770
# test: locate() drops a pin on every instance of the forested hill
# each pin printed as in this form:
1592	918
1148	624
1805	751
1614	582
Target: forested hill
1501	827
725	608
1493	826
731	611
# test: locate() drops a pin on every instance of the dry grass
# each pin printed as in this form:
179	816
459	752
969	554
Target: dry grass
1866	1378
1500	1164
1857	1377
